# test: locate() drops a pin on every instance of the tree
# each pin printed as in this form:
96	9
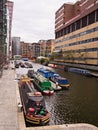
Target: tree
69	55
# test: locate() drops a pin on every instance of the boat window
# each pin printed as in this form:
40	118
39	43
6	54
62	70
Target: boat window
63	81
30	103
24	86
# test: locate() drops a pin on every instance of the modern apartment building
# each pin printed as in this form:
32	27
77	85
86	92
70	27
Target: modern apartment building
9	5
76	32
16	46
3	26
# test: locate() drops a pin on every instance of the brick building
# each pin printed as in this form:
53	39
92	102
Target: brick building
35	50
26	50
76	32
46	47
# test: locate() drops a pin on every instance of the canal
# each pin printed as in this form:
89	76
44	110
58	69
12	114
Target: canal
79	104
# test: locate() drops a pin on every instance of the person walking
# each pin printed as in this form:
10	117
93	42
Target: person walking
56	84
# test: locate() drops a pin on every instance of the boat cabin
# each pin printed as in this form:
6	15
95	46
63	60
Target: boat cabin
46	73
33	99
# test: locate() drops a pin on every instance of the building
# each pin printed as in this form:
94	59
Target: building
16	46
42	47
26	50
46	47
76	32
3	26
9	5
35	50
49	47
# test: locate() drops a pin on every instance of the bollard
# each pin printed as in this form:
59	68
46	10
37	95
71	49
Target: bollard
19	107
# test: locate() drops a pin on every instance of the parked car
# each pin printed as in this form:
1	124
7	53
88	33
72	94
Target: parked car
16	65
30	73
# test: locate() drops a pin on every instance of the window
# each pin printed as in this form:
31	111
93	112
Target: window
67	29
78	24
64	30
97	15
91	18
84	21
73	27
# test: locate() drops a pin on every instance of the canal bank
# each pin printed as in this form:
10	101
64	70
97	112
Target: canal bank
12	118
82	66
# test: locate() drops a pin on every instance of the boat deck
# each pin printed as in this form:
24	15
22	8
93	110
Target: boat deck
52	83
94	74
54	86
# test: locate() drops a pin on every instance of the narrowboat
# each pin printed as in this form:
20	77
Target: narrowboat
33	103
43	84
63	82
80	71
56	78
45	72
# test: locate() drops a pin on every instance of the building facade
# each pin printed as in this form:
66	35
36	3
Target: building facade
35	50
9	28
46	47
3	26
42	47
49	47
76	34
26	50
16	46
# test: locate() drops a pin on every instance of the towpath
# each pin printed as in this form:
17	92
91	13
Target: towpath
8	105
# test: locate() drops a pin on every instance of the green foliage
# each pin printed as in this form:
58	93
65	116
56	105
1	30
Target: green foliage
42	60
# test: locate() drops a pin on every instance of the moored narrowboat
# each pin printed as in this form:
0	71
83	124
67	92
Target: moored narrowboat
56	78
45	72
33	103
43	84
80	71
63	82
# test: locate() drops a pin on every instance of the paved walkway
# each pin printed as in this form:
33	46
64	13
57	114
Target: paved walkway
8	105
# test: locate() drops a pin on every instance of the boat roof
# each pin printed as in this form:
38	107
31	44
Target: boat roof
56	75
41	78
32	96
24	78
61	78
45	70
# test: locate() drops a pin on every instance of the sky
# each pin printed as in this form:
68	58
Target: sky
34	20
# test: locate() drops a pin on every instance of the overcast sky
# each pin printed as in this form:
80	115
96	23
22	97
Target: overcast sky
33	20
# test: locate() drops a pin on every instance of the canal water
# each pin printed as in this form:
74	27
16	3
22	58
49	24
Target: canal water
79	104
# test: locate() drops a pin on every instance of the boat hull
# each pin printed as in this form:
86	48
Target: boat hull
32	118
38	120
63	86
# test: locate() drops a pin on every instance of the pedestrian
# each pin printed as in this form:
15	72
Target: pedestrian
56	84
